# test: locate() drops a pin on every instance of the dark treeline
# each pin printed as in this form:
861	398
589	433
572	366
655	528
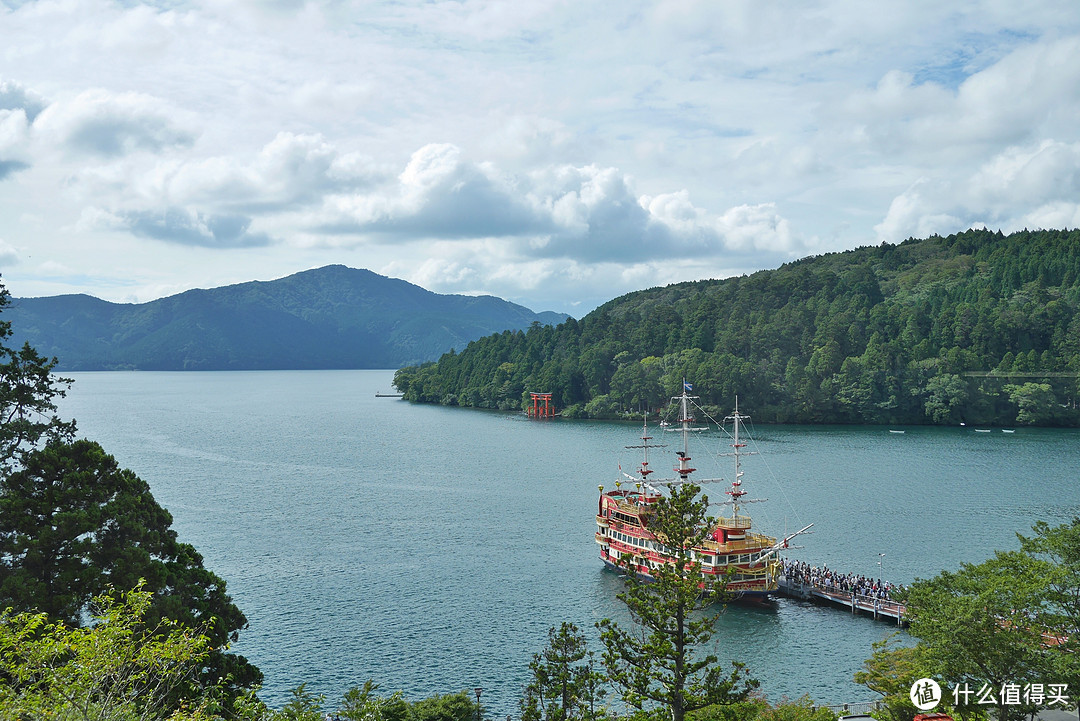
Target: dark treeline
978	327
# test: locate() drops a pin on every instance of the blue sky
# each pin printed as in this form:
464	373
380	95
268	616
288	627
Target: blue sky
554	153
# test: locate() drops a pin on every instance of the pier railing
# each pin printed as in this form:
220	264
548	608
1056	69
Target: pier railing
852	709
878	607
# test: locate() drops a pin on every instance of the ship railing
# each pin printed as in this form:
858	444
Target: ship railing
753	542
736	522
632	506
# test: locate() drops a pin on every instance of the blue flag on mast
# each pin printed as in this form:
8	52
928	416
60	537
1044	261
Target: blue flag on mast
687	386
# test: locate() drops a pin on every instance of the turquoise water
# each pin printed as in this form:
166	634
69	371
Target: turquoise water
430	549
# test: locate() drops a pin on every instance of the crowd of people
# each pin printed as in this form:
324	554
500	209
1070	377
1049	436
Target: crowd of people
829	580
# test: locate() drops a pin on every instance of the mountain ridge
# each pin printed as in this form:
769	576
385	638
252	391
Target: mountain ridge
329	317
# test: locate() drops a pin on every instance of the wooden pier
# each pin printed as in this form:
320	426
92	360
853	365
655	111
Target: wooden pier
879	609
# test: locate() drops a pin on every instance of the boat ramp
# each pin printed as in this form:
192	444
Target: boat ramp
880	609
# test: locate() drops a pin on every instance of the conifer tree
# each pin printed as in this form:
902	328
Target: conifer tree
662	662
565	684
73	524
28	393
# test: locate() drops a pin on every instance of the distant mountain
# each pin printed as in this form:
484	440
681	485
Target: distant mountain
332	317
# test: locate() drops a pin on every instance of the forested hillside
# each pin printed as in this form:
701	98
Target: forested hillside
977	327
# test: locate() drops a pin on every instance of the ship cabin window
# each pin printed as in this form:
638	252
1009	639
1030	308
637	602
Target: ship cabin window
707	559
744	558
626	518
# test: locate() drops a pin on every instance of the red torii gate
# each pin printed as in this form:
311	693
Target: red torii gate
538	411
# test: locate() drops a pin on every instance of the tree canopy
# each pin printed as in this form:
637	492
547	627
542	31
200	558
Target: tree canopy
111	670
74	524
1007	625
978	327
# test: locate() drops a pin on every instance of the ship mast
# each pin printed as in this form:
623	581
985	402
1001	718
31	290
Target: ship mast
684	470
736	491
644	471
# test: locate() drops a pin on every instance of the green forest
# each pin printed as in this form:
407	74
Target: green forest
978	328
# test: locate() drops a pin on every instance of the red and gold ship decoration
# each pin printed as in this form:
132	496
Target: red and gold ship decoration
747	560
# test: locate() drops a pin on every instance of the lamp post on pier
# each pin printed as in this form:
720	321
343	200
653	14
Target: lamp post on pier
478	691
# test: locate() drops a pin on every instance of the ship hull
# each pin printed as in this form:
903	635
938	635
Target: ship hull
750	596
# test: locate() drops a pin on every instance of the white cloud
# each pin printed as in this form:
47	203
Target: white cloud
539	149
1031	186
290	171
14	137
9	256
1023	176
99	123
180	226
14	96
1033	90
583	213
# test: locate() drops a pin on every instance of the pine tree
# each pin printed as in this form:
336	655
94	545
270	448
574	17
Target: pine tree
28	393
565	684
661	663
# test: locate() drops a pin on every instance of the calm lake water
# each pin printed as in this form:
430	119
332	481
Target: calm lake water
430	549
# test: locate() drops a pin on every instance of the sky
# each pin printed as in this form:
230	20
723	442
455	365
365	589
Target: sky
557	154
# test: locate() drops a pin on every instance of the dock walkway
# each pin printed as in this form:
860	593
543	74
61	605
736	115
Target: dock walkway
880	609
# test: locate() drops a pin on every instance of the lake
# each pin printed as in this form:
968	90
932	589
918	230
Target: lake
430	548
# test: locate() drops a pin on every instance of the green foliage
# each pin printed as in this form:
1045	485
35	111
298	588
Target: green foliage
746	710
891	671
1036	403
974	628
1010	619
941	330
800	710
113	670
565	683
361	704
73	524
28	393
303	706
458	706
660	662
1052	557
758	709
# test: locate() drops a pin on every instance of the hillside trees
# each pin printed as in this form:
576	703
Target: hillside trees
968	327
73	524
